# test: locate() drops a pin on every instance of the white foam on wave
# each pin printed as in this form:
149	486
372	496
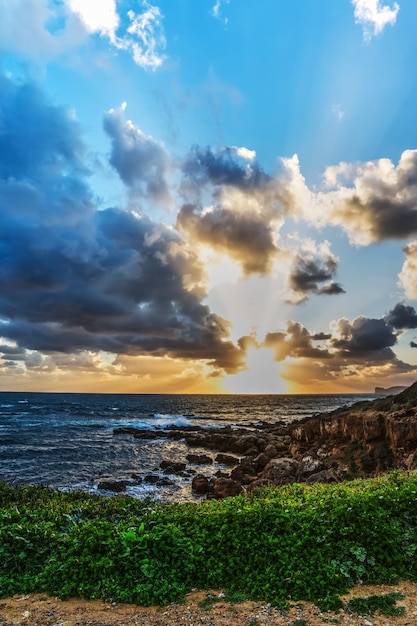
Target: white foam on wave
164	421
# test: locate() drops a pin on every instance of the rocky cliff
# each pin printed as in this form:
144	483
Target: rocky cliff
363	440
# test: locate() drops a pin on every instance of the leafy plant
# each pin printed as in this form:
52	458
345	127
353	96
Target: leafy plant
384	604
299	542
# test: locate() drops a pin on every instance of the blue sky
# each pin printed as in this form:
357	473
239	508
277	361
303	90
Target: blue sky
208	195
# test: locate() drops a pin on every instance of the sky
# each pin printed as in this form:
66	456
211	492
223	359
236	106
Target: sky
208	196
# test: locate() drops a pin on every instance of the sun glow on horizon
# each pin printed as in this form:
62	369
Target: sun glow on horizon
262	374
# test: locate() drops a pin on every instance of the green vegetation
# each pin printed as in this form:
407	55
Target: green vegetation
384	605
298	542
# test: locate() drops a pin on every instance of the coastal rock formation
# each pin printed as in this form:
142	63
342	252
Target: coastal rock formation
362	440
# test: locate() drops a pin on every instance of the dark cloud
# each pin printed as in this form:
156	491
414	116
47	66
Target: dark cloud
364	336
402	317
141	162
74	278
312	272
386	218
355	352
245	238
295	342
321	336
230	205
381	202
223	167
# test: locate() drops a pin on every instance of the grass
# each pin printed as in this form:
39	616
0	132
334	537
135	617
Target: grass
298	542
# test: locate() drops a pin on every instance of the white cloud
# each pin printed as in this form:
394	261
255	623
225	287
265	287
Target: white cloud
407	276
97	16
216	11
373	16
145	39
245	153
42	29
338	111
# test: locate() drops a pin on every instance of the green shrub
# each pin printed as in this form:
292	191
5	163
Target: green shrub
298	542
385	605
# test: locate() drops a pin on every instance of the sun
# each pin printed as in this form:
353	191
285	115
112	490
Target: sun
261	376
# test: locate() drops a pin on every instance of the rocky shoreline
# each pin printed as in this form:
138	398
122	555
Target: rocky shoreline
365	439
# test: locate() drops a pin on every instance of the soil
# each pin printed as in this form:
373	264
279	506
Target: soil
38	610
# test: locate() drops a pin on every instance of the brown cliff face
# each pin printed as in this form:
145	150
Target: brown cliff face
363	440
381	434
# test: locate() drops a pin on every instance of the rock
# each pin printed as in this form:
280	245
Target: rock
227	459
151	478
172	467
201	484
226	488
309	465
248	444
113	485
325	476
281	471
271	451
259	484
244	474
164	482
199	459
261	461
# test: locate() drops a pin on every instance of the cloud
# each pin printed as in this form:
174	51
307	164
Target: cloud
408	274
141	162
231	205
312	271
77	279
369	338
371	201
374	16
216	11
145	38
97	17
296	342
402	317
354	354
43	29
338	112
244	238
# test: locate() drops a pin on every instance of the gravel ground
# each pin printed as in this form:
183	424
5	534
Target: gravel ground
38	610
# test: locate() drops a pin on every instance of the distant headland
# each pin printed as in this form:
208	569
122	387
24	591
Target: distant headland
390	391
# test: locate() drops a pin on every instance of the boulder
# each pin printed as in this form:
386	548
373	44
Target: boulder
199	459
259	484
244	474
201	484
227	459
308	466
172	467
164	482
118	486
152	478
330	475
248	444
281	471
226	488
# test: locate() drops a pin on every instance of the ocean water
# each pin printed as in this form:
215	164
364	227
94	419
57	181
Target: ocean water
66	440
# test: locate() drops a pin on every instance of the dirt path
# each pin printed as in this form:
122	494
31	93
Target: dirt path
38	610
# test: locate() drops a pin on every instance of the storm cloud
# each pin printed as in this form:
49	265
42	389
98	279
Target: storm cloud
231	205
141	162
312	272
74	278
381	201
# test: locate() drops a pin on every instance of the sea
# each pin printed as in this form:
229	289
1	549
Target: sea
67	440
